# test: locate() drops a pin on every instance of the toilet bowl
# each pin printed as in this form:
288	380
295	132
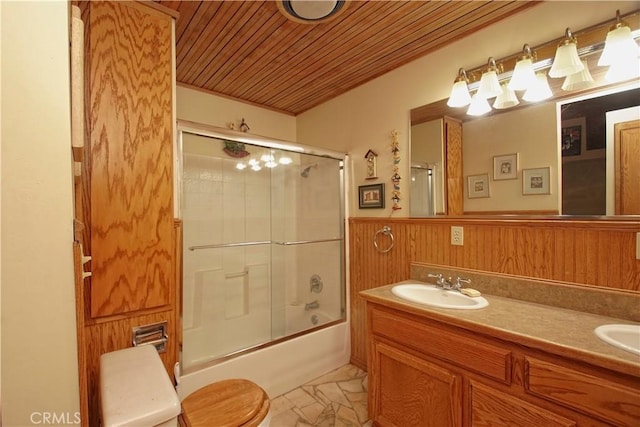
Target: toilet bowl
135	390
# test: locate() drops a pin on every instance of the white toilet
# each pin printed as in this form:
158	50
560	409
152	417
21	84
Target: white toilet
135	390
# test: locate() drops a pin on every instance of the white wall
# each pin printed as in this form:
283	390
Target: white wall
39	355
363	118
201	107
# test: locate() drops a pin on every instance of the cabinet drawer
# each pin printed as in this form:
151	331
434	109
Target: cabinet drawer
598	397
490	408
465	351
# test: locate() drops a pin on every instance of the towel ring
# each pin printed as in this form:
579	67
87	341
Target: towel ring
386	230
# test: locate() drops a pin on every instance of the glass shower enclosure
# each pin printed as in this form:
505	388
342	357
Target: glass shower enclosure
263	242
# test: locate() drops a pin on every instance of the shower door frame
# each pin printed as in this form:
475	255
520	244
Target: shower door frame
200	129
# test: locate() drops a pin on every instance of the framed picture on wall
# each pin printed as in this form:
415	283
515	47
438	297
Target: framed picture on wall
478	186
536	181
371	196
505	167
573	136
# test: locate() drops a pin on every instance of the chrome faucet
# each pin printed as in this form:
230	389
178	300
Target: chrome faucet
312	305
447	284
441	282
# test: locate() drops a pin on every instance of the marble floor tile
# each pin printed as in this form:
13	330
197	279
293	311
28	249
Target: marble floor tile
336	399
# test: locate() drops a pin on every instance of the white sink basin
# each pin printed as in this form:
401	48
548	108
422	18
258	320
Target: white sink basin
626	337
435	297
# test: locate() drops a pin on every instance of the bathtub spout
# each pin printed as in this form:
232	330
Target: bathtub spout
312	305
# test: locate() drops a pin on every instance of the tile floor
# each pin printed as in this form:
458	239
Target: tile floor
336	399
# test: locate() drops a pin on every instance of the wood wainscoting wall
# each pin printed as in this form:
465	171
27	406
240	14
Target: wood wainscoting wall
587	251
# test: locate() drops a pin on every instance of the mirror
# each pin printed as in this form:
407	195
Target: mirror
563	165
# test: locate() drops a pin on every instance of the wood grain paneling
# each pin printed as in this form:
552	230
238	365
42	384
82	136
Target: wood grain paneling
130	141
591	252
249	50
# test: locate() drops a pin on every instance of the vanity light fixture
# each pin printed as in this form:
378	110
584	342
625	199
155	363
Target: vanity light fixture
460	96
479	106
489	84
524	75
619	45
506	99
580	80
566	61
539	91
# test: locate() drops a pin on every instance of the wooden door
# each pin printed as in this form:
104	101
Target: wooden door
130	128
627	167
409	391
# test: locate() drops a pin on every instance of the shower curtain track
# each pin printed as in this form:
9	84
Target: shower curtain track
263	242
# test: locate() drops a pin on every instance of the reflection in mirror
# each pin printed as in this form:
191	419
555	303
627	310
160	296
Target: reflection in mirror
588	188
427	171
586	175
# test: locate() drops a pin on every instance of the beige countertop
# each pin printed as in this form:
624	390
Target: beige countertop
560	331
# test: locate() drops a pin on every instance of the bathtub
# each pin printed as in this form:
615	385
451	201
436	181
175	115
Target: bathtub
298	319
281	367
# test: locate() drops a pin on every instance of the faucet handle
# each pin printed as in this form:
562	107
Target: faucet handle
461	280
439	278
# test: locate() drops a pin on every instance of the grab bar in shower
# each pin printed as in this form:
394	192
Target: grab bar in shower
263	242
304	242
230	245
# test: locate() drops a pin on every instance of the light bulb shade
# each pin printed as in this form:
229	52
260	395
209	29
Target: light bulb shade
619	46
523	75
506	99
540	91
479	106
566	61
580	80
489	85
459	95
623	70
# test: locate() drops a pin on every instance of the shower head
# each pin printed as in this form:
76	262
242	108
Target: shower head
305	171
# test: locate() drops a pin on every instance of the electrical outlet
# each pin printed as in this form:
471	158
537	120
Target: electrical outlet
457	236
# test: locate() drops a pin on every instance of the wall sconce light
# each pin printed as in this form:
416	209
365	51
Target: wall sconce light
489	83
460	96
620	52
580	80
479	106
523	74
506	99
566	61
539	91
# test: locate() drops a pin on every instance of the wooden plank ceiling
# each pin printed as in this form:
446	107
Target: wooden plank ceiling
248	50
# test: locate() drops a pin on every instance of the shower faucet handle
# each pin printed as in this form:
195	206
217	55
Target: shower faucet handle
315	284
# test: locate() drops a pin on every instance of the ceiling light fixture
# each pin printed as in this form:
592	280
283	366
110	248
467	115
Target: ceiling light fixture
460	96
566	61
310	11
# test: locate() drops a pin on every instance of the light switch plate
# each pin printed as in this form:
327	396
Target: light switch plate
457	236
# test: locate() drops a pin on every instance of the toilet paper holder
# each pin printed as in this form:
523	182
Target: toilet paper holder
153	334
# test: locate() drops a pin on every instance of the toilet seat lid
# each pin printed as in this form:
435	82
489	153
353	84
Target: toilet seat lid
234	402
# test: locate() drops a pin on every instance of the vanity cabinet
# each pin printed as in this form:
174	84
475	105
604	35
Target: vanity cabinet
425	372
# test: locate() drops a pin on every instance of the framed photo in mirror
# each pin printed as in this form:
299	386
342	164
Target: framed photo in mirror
573	136
478	186
505	167
536	181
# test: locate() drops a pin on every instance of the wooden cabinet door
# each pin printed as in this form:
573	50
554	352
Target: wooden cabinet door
492	408
409	391
627	167
130	131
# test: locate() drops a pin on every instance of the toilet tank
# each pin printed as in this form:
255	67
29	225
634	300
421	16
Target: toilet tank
135	389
